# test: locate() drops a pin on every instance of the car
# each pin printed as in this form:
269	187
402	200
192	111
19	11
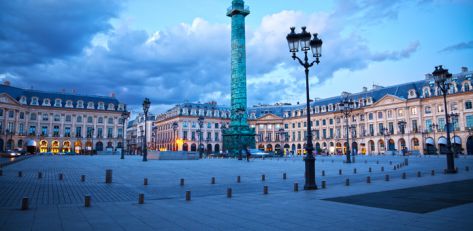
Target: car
11	153
256	153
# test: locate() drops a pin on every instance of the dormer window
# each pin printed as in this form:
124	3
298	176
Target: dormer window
90	105
101	106
23	100
426	92
121	107
330	107
46	102
34	101
57	103
412	94
111	107
324	109
80	104
216	113
69	103
466	86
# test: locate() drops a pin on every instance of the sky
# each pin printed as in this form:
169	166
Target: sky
179	51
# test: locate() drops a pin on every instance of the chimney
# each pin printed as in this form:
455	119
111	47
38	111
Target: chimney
6	82
365	89
112	94
464	69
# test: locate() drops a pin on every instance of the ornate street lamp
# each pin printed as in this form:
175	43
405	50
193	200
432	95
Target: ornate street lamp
240	112
443	81
201	124
125	115
175	125
346	108
146	105
303	40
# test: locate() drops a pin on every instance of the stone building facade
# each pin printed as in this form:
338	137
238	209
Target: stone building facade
383	120
59	122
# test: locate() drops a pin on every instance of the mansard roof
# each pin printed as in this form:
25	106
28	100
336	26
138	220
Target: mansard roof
17	93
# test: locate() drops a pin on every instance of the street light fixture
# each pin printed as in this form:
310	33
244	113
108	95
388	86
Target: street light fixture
443	81
303	40
125	116
175	125
146	105
346	108
201	124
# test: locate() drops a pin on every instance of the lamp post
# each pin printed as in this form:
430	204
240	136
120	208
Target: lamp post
146	105
402	126
239	113
175	125
346	108
125	116
443	80
201	124
453	118
303	40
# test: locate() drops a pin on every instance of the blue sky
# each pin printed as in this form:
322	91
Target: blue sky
177	51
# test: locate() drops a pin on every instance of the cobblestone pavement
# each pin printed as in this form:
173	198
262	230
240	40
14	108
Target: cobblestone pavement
58	204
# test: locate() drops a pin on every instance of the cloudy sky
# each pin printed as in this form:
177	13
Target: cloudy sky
177	51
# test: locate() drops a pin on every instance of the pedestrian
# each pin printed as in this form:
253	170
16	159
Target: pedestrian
248	154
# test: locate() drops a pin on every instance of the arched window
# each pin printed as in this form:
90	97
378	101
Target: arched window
90	105
34	101
426	92
57	103
80	104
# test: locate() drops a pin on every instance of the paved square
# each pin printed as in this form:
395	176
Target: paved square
57	204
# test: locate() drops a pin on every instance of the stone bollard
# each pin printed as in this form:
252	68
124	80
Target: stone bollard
404	175
354	170
386	178
265	189
419	174
20	174
188	195
263	177
82	178
339	172
145	181
25	203
238	179
347	182
296	187
213	180
395	168
40	175
229	192
284	176
323	172
141	198
432	173
406	162
390	163
467	168
369	169
87	201
61	176
108	176
181	183
324	184
368	179
382	169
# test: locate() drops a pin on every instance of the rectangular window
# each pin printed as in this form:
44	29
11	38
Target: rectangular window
89	132
184	124
469	121
184	135
120	132
45	117
286	126
217	136
381	128
299	135
324	133
32	131
391	127
78	132
414	126
468	105
331	133
440	108
100	132
67	132
371	130
193	136
44	130
400	112
316	123
293	136
380	115
209	136
441	123
110	132
428	125
413	111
